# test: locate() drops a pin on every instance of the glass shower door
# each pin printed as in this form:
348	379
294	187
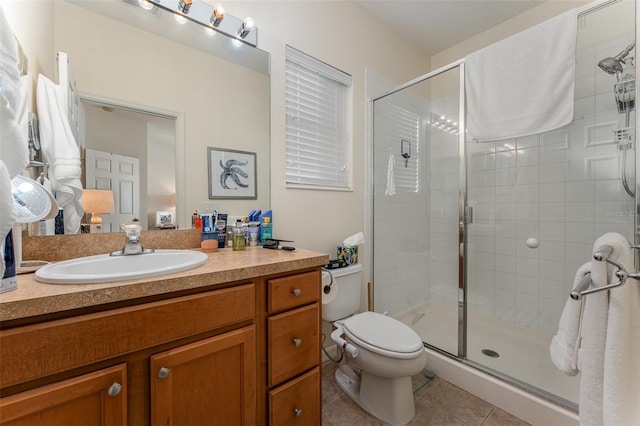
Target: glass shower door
416	204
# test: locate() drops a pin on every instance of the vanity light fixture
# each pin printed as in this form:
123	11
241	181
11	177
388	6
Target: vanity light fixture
217	16
213	19
246	27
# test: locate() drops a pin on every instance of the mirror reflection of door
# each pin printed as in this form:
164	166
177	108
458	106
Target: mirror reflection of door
117	135
120	174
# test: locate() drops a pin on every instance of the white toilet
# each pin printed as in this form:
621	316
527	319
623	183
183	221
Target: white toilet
381	353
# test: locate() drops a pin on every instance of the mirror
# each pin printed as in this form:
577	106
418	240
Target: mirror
193	90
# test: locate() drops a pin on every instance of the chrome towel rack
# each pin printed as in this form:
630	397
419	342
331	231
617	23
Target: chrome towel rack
603	253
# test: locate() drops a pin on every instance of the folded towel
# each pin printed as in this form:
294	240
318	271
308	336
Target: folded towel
565	344
391	180
621	388
60	151
524	84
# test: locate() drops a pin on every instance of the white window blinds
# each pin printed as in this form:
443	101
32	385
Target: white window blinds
318	140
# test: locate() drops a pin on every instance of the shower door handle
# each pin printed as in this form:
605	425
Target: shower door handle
468	215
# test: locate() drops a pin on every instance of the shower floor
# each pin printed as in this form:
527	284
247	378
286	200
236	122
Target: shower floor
523	352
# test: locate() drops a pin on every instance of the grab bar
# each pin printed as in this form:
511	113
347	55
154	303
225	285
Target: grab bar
601	254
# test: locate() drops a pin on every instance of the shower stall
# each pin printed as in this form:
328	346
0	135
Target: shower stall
476	244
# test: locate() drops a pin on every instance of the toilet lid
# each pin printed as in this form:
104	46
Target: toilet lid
382	334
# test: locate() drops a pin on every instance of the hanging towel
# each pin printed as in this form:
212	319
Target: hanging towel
621	389
13	148
391	179
566	343
60	151
523	84
594	336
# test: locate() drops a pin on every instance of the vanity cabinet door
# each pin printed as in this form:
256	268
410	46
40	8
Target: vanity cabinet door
209	382
97	398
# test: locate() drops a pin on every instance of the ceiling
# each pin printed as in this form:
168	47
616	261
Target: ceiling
435	25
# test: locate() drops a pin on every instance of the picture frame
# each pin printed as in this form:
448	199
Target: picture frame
232	174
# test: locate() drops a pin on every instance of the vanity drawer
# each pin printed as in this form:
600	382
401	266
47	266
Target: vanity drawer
293	291
296	402
86	339
293	343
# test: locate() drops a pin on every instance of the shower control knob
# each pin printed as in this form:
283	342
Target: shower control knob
296	292
297	342
297	412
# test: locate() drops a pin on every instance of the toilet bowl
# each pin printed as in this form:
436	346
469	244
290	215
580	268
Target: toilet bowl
380	353
378	378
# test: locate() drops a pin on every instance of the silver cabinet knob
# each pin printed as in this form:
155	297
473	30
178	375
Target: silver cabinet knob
296	292
297	342
297	412
114	389
163	373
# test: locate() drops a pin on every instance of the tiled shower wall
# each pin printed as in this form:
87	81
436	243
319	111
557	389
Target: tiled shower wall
562	188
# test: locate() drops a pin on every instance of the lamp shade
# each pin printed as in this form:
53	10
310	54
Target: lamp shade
97	201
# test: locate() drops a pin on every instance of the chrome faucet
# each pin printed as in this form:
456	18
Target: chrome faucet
133	244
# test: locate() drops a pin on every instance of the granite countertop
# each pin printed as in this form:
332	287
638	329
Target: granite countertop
33	298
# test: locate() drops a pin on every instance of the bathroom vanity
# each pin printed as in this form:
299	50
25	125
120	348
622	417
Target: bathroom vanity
234	341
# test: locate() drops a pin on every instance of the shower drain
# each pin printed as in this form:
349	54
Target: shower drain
490	353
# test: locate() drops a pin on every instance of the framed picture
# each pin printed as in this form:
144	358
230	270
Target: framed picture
232	174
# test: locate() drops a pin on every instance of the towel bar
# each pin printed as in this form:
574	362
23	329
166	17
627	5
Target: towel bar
601	254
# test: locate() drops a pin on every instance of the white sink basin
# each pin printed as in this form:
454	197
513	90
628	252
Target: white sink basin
105	268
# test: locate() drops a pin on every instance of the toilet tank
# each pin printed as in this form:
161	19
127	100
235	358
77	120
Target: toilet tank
347	283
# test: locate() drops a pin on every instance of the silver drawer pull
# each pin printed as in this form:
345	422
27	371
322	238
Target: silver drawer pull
297	342
297	412
114	389
163	373
296	292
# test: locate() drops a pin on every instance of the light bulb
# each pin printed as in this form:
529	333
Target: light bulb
180	19
236	42
217	16
145	4
210	31
246	27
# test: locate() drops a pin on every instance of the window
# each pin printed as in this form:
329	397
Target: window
318	141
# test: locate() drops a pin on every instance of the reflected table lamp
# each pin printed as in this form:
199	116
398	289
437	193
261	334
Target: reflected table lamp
97	202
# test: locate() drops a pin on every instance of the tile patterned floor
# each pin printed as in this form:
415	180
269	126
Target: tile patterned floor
437	403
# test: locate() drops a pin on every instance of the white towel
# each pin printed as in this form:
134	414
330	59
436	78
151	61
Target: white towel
565	344
60	151
523	84
594	337
621	389
13	147
391	179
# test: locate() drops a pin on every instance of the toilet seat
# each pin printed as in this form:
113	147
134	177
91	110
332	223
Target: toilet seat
383	335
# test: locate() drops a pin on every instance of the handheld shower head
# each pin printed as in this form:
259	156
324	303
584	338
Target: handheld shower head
614	65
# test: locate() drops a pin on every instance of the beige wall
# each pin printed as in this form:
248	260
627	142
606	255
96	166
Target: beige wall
347	37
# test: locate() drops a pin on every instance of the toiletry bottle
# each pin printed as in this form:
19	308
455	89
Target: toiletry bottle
238	237
266	230
198	220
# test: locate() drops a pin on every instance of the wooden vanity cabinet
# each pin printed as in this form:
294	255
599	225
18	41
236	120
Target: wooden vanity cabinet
293	349
242	353
178	361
